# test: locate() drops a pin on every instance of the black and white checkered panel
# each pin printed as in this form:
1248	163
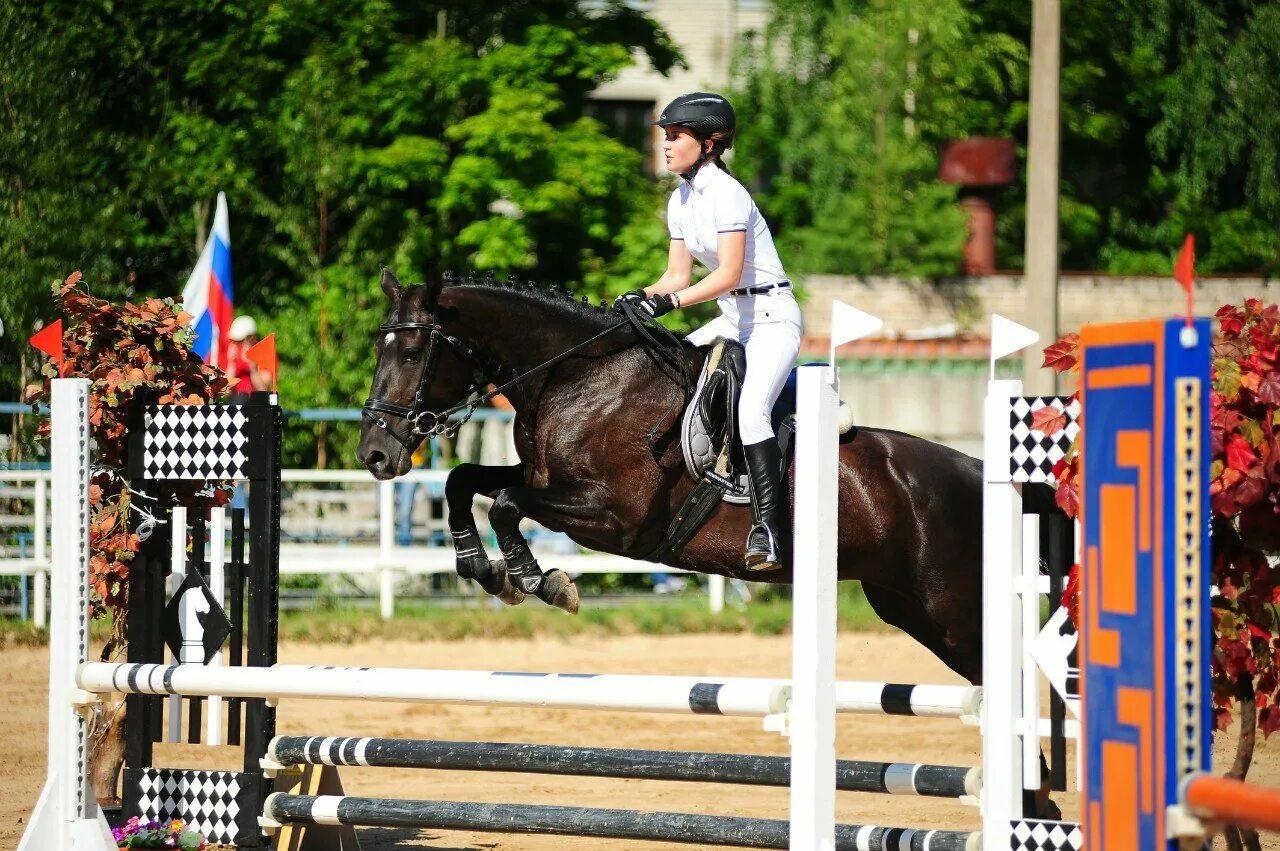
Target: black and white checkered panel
201	442
208	801
1036	835
1033	453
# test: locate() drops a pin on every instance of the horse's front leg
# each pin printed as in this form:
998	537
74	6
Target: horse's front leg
471	560
559	506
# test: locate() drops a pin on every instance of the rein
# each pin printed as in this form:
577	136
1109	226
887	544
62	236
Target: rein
424	422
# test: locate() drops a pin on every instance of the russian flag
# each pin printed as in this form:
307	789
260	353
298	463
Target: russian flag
208	293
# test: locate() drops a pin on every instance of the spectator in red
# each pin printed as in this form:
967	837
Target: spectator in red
245	375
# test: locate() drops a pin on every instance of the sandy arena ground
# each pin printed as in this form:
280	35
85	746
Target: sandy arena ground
887	657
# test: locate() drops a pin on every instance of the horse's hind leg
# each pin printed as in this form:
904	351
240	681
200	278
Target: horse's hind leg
471	560
910	615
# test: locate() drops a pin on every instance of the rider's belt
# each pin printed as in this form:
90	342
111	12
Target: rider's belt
761	290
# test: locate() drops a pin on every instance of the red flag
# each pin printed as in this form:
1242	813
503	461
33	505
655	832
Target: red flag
1184	270
49	340
263	353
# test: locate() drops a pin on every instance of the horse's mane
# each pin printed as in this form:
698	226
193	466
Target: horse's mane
555	298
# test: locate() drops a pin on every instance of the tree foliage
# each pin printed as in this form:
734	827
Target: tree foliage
1170	123
839	104
424	136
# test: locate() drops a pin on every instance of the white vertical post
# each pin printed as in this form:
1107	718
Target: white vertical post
41	552
386	538
218	588
813	623
386	593
177	569
715	591
1002	622
41	596
1029	597
386	519
66	814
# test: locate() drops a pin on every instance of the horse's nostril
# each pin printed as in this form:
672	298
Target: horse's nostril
375	460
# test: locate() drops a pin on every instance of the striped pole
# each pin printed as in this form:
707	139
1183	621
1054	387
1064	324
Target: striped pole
686	695
894	778
583	821
739	696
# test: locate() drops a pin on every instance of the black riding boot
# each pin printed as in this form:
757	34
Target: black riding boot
764	544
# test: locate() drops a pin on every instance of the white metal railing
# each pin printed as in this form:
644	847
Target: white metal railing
385	559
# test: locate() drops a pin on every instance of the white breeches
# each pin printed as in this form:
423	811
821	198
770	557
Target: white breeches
771	346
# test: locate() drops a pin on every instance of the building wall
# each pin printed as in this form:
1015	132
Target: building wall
706	31
918	389
912	306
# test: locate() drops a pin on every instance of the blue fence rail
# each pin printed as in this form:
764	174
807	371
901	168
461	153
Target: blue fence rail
303	414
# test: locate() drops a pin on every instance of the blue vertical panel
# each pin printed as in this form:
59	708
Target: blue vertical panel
1144	390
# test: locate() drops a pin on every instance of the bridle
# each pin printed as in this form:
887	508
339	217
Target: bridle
423	422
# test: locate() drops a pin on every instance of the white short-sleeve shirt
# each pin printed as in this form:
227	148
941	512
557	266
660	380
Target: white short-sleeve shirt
716	203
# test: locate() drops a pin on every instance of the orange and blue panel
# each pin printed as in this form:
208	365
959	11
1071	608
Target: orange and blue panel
1144	391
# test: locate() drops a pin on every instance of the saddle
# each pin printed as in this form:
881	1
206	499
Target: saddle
709	428
712	449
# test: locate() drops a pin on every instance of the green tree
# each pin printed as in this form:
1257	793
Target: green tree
843	105
1170	118
424	136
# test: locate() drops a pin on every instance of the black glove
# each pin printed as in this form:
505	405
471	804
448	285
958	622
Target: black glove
658	305
634	297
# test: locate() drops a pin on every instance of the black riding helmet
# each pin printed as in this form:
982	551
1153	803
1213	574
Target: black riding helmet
703	114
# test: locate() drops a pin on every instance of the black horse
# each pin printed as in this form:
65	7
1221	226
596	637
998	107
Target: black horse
600	459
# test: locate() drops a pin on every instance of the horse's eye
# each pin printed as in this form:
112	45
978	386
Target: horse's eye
412	355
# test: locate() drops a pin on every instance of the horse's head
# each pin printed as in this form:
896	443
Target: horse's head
422	371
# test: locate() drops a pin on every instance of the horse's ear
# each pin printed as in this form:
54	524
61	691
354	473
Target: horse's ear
390	284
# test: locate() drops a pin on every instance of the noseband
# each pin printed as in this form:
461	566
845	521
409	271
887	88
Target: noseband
422	421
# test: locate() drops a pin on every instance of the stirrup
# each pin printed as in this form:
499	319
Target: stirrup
756	561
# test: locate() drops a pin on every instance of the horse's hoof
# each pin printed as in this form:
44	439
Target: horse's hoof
510	594
558	590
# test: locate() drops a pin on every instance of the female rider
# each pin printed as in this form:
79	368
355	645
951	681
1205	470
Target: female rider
711	217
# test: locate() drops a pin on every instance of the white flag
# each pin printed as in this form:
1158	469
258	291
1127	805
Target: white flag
848	323
1008	337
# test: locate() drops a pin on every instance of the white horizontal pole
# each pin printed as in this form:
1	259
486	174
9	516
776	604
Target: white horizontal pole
366	558
687	695
638	693
926	701
363	477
